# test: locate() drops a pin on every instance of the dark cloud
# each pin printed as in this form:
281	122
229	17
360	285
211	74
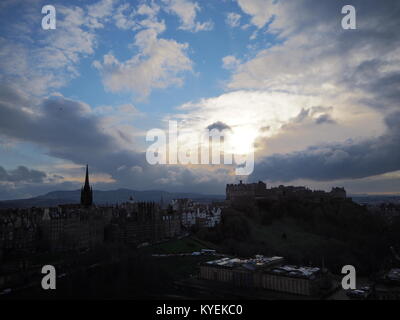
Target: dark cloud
325	119
377	34
219	125
68	130
22	174
349	160
317	115
316	50
63	125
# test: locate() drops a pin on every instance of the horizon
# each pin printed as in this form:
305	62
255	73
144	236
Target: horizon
196	193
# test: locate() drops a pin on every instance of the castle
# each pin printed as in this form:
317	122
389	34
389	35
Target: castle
258	191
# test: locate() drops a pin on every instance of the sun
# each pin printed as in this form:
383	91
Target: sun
242	140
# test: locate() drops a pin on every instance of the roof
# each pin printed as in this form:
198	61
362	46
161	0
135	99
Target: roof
257	262
296	271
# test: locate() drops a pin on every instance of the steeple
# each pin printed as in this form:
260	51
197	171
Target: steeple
87	177
86	191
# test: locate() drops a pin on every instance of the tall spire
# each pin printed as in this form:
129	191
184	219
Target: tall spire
87	176
86	191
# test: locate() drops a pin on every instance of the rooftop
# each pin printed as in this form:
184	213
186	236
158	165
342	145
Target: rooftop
273	265
296	271
257	262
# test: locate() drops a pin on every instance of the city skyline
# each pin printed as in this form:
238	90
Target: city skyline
318	105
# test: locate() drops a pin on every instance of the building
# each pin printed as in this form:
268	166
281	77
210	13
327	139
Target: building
252	192
197	214
86	191
71	228
202	217
171	224
242	190
269	273
142	222
18	231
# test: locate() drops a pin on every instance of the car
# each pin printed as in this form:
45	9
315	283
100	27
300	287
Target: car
358	293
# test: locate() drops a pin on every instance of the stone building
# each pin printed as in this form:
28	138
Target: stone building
142	222
248	193
18	231
201	216
242	190
197	214
72	228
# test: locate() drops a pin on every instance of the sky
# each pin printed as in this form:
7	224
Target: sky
318	105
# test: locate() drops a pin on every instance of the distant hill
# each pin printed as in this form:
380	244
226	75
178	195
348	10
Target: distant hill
104	197
375	199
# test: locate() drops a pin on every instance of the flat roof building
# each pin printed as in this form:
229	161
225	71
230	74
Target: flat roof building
268	273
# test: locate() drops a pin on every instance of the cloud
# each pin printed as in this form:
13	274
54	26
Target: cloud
230	62
123	19
72	131
40	61
219	125
316	56
233	19
317	115
187	11
356	72
261	11
22	174
62	125
350	160
99	12
159	64
325	118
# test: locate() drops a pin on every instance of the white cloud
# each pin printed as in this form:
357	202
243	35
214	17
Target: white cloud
124	17
44	61
233	19
261	11
159	64
187	11
262	109
230	62
100	11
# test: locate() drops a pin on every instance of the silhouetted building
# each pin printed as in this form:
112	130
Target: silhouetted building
86	191
268	273
72	228
142	222
248	193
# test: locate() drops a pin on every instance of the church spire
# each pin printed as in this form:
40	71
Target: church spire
86	191
87	176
